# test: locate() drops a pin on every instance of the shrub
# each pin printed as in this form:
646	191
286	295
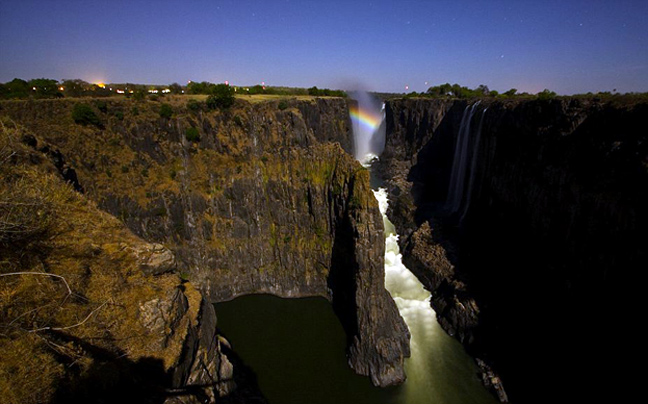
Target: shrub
283	105
84	115
139	94
511	92
194	105
546	94
222	97
192	134
237	120
166	111
102	106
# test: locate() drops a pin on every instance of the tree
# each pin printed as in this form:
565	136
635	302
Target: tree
258	89
44	88
222	96
175	88
16	88
199	88
546	94
75	88
482	89
439	91
511	92
139	93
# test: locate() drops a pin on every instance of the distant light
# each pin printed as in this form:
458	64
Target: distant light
227	82
120	91
166	90
426	83
61	88
102	85
34	88
263	83
188	81
406	87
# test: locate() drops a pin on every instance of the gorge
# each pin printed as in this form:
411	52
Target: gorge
513	214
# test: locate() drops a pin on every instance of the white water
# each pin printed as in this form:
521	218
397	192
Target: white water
439	370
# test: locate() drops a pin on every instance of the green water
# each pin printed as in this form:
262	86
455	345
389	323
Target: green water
297	349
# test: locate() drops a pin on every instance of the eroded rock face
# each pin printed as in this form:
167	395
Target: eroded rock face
268	200
183	320
553	224
377	336
119	324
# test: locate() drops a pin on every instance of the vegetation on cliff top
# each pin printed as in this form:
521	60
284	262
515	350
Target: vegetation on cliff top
71	287
456	91
49	88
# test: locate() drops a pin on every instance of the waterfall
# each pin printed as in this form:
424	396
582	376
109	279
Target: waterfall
411	298
438	370
473	166
457	184
367	117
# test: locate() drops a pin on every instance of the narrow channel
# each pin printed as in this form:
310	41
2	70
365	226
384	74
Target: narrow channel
296	347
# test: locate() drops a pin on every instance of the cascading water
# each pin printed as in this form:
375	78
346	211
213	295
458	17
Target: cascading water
460	162
367	116
473	167
438	370
296	346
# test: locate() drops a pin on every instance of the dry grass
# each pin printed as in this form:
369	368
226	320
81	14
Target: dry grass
95	292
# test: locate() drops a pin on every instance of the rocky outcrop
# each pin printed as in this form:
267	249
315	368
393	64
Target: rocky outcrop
357	280
547	233
267	200
93	313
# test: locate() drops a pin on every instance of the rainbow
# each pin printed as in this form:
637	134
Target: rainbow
365	118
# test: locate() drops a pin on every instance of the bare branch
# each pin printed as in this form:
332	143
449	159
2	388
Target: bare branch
42	274
73	325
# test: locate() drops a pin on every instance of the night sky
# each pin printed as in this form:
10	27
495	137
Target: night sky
566	46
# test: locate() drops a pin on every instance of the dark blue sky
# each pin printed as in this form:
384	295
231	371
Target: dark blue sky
567	46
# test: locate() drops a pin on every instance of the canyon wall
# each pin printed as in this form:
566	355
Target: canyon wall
259	198
90	312
533	272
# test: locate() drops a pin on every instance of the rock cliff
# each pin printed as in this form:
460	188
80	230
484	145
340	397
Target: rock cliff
89	311
260	198
533	265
